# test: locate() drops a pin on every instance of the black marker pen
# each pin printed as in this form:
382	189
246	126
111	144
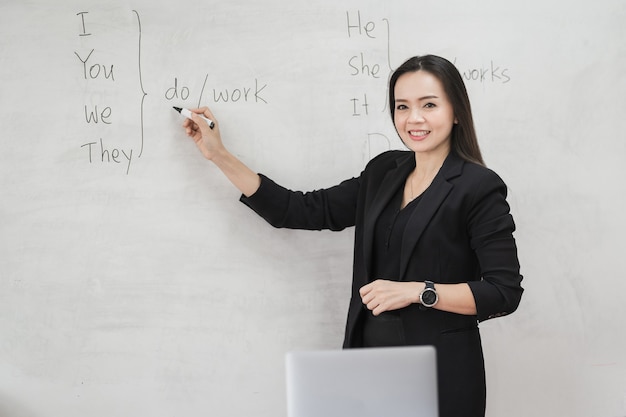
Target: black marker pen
187	114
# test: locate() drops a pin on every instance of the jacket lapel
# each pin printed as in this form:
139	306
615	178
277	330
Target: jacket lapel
430	202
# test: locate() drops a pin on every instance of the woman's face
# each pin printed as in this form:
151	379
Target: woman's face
423	115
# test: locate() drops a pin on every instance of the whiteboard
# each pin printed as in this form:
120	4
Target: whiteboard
133	282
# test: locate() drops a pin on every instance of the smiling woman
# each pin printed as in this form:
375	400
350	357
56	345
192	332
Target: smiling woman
434	251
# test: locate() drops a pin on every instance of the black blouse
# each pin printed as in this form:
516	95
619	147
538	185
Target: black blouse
386	329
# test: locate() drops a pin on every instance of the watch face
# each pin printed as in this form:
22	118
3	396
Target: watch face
429	297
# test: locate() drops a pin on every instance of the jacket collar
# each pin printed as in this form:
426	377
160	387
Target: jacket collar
432	198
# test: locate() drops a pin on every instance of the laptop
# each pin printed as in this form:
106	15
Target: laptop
367	382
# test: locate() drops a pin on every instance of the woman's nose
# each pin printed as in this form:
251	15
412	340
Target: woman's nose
416	116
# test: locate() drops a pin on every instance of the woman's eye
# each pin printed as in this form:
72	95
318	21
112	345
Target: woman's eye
429	105
401	107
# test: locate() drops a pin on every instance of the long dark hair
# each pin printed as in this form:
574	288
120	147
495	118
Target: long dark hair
463	137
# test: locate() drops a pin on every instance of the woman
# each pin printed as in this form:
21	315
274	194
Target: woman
434	249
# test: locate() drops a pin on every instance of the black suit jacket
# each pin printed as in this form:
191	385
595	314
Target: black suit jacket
461	231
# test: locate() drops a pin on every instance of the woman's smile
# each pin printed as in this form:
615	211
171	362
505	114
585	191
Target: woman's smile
418	134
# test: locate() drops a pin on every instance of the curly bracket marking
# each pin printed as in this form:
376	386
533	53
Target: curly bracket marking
144	94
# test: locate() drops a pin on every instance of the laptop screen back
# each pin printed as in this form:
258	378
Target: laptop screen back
372	382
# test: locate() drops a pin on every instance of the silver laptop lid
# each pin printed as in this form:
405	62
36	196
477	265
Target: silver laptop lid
372	382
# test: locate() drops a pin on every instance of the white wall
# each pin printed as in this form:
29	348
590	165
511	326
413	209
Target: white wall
145	288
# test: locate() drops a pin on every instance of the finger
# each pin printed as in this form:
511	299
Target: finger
202	123
376	308
367	294
365	289
206	112
199	110
366	299
187	123
190	127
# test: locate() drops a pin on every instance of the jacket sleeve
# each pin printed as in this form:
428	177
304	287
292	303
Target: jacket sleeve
491	228
332	208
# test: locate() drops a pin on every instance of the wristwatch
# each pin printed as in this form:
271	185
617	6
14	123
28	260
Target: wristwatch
428	296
